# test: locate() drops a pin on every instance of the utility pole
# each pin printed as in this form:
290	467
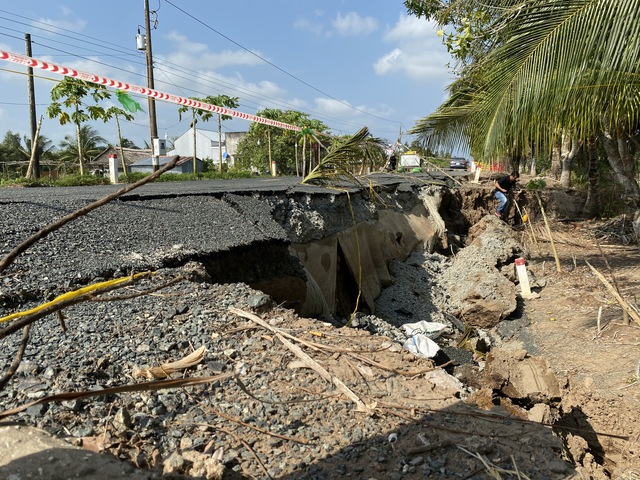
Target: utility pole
153	126
32	108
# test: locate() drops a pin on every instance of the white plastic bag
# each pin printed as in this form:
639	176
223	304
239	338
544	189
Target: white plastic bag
430	329
422	346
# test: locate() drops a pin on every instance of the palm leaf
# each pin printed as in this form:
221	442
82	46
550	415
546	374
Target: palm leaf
569	63
344	159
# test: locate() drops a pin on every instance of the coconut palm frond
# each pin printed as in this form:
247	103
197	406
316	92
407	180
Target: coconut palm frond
562	63
345	159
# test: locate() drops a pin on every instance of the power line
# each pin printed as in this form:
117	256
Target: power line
276	66
174	68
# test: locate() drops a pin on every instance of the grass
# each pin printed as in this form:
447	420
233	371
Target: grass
88	180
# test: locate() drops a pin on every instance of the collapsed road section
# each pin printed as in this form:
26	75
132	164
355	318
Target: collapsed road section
314	251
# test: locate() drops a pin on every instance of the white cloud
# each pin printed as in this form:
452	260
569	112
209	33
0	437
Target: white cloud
409	28
345	110
68	22
352	24
306	25
418	52
197	56
387	63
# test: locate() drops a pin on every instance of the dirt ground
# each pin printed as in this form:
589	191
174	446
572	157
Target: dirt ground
599	365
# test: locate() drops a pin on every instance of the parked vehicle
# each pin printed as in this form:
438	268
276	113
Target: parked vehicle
459	163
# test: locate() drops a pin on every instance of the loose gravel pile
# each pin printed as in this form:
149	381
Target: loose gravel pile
269	415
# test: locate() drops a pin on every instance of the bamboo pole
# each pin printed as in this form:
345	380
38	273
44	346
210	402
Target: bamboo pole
553	245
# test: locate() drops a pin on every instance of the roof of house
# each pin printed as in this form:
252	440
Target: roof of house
131	155
162	160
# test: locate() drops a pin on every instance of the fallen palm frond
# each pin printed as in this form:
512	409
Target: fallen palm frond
346	158
136	387
166	369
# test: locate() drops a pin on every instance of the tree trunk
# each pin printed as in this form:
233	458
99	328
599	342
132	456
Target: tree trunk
220	141
556	164
193	124
623	166
593	189
80	153
570	148
124	164
31	170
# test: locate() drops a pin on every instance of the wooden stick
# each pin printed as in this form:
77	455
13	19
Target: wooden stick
310	362
553	245
623	303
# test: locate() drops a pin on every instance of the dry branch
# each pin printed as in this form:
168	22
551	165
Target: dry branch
136	387
310	362
623	303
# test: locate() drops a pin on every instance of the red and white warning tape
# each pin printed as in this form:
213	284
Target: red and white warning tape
167	97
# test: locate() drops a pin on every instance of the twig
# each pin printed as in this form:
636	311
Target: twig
52	227
18	358
139	294
625	314
61	319
248	447
623	303
135	387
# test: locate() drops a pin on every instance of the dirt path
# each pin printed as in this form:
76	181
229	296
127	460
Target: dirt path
599	369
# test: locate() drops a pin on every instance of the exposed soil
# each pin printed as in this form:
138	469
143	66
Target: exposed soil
380	411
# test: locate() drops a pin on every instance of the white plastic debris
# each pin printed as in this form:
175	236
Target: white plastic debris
392	437
422	346
430	329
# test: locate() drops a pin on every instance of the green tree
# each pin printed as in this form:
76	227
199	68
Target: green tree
16	150
227	102
69	94
87	140
116	112
264	144
555	67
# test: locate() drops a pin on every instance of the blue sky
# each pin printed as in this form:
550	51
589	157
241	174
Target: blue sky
348	63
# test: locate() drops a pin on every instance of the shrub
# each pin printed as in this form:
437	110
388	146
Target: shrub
80	180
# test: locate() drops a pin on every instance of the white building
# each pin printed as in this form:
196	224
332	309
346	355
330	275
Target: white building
207	146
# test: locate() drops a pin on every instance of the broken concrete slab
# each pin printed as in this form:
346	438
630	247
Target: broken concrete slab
479	294
520	376
29	452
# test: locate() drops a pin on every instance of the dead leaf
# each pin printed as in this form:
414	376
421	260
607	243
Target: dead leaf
166	369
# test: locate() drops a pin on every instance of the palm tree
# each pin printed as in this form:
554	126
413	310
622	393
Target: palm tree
561	65
116	112
88	141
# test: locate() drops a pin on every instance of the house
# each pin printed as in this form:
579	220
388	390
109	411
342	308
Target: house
185	166
131	155
208	146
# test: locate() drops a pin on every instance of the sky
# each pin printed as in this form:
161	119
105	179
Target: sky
348	63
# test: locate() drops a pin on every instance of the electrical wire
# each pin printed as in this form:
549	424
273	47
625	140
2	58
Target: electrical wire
174	68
